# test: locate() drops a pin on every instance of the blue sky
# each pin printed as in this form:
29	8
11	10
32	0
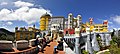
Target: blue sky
27	12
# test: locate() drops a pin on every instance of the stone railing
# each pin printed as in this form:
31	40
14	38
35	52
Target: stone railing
31	50
21	47
22	44
67	49
6	45
32	42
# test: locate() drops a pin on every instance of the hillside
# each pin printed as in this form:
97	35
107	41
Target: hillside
4	31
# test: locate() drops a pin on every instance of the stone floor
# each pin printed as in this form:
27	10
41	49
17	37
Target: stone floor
49	50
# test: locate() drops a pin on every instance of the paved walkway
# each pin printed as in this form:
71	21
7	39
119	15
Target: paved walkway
49	50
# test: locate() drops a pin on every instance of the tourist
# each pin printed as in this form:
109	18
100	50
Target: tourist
60	45
44	34
40	34
37	42
43	44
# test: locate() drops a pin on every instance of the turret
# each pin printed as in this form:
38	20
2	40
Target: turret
34	26
70	16
16	28
91	21
79	20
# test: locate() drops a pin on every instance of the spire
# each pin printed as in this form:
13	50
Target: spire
34	26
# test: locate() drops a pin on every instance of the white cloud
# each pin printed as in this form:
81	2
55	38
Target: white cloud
9	23
26	14
22	11
23	4
110	22
116	19
3	3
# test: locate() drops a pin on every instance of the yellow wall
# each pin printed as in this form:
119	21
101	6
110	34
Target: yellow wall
101	28
47	23
44	22
24	34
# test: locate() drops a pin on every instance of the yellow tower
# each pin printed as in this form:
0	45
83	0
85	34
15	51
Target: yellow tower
44	21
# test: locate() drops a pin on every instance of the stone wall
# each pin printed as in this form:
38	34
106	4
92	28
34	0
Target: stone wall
6	45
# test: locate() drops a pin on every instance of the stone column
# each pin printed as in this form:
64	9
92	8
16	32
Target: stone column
77	44
103	39
89	47
95	45
107	39
77	48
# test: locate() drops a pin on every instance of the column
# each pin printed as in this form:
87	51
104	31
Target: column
95	45
103	39
77	48
107	39
89	47
77	44
86	48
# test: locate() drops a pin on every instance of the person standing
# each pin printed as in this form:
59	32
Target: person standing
37	43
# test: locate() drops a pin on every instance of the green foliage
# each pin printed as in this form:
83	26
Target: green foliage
115	45
5	37
95	52
10	38
85	52
114	49
116	40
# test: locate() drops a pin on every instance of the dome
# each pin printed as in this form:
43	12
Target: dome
45	14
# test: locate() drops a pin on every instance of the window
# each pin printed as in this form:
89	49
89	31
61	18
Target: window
26	36
21	35
96	26
66	32
53	26
96	29
101	29
31	36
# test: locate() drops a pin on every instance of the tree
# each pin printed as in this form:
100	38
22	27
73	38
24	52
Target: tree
10	38
3	37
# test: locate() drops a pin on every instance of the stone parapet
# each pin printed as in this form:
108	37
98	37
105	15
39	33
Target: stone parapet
22	44
32	42
6	45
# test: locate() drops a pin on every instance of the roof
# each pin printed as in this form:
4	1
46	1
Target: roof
46	14
71	31
57	17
